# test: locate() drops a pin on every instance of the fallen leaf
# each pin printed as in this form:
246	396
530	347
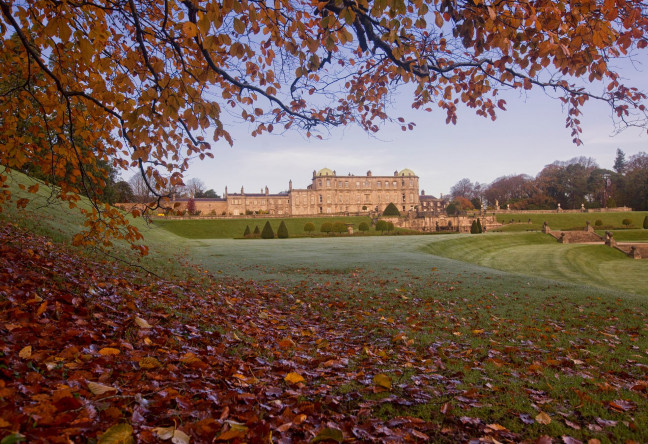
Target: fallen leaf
26	352
164	433
141	323
118	434
293	378
286	343
328	433
106	351
622	405
149	363
496	427
100	389
543	418
382	380
41	309
13	438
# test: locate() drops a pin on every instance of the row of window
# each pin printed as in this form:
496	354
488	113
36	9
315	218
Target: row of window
367	184
259	202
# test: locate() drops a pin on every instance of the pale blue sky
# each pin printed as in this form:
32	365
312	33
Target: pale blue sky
523	139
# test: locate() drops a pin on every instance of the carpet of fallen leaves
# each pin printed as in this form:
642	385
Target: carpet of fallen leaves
92	351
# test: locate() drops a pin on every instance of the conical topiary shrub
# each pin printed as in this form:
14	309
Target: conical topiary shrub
246	233
267	232
256	231
645	223
473	228
282	232
480	229
391	210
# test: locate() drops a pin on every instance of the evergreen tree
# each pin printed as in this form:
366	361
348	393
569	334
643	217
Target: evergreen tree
267	232
256	231
282	232
473	228
645	223
246	233
619	161
480	229
391	210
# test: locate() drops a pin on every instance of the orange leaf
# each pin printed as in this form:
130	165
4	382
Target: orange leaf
293	378
543	418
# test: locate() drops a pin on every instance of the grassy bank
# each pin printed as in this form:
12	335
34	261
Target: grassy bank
537	254
234	228
566	221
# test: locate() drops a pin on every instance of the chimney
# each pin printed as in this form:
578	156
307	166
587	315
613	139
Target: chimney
266	190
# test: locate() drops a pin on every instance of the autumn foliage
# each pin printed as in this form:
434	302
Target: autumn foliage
146	86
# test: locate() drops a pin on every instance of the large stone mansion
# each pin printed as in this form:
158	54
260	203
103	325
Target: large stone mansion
329	193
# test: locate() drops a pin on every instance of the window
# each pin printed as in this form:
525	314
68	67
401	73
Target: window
358	184
394	183
366	198
320	198
366	184
411	182
403	198
378	184
386	184
328	183
346	184
411	197
328	199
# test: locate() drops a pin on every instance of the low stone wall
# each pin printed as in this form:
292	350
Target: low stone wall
560	211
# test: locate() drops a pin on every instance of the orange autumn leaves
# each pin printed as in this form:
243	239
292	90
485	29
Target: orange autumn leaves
146	86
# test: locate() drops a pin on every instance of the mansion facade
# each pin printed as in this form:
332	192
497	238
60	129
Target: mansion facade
328	193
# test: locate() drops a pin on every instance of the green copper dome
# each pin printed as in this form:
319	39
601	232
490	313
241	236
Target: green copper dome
325	172
406	172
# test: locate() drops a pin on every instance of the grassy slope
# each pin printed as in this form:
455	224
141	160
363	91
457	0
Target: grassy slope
537	254
566	221
234	228
50	217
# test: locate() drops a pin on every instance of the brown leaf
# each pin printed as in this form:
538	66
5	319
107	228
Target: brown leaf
26	352
99	389
149	363
543	418
118	434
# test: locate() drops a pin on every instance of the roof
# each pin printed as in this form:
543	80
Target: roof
325	172
406	172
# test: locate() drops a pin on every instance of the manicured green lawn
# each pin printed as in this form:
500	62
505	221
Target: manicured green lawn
638	235
566	221
234	228
538	254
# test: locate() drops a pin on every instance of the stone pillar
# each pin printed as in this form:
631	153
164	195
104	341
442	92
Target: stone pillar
609	239
545	227
563	239
634	253
559	209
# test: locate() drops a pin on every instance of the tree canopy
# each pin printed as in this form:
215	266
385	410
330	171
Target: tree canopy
145	85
